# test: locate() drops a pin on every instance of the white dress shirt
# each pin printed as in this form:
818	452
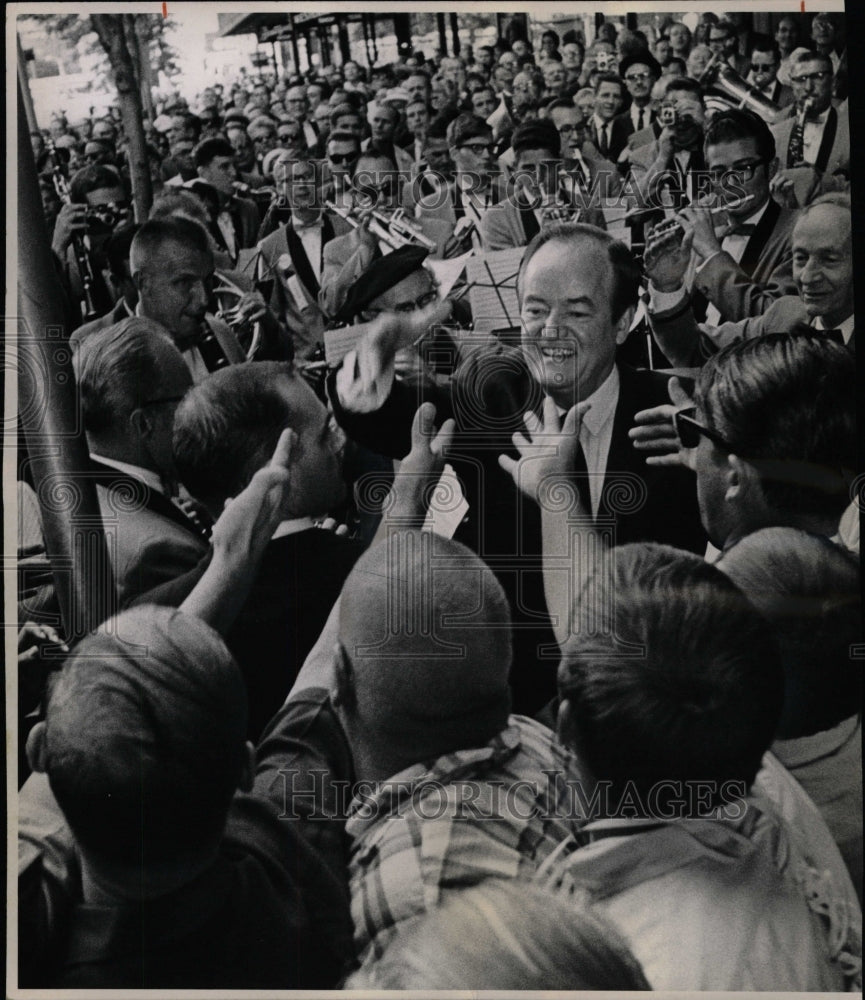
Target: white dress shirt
226	226
310	237
814	137
293	526
846	327
596	433
605	128
635	117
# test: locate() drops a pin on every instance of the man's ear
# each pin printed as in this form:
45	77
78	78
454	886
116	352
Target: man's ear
247	770
139	422
623	325
741	478
343	694
36	755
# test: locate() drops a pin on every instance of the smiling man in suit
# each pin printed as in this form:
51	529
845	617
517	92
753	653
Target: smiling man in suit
578	292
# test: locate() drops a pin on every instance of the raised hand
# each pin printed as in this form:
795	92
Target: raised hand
364	381
550	449
419	471
654	432
668	254
248	521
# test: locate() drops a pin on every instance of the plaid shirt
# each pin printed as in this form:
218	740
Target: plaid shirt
497	810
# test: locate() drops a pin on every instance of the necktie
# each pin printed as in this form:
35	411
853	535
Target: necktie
581	471
796	149
640	119
602	139
743	229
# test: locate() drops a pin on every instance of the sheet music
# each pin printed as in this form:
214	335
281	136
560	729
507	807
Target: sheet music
493	289
447	272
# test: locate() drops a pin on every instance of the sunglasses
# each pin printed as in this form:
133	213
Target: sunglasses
343	157
762	68
689	431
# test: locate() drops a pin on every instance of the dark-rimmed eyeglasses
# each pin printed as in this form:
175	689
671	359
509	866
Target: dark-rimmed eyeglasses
478	148
766	67
343	157
689	431
741	171
638	76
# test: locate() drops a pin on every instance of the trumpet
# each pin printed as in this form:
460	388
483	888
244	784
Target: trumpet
665	229
79	247
395	230
796	149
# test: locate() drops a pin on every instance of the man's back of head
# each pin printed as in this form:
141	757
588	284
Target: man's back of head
425	649
683	688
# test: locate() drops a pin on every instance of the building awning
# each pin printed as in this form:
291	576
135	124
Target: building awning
261	25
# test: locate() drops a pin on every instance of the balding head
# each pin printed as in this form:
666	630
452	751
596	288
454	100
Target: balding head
424	630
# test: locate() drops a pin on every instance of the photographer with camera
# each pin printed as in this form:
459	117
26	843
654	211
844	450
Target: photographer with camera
669	163
99	205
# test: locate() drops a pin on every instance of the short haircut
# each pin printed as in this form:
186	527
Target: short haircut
190	122
806	56
227	428
467	126
787	402
765	43
172	202
93	178
840	199
733	124
344	111
155	233
423	73
562	103
686	85
119	368
609	78
144	744
807	588
551	944
684	684
538	134
626	272
207	151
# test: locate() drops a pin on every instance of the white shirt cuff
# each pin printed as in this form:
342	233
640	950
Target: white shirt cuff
663	301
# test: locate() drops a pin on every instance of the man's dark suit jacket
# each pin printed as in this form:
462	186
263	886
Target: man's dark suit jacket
297	584
488	398
618	137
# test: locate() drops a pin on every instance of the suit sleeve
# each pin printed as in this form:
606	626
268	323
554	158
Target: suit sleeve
735	294
687	343
494	230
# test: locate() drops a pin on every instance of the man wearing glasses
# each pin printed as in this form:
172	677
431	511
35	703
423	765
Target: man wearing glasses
741	269
822	273
297	107
639	71
343	152
765	63
476	186
817	136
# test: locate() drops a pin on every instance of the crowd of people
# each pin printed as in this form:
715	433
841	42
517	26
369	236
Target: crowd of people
449	651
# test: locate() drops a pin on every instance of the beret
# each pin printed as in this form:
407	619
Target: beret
382	275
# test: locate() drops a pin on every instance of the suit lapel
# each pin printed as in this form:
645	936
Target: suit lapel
621	454
153	500
301	261
828	142
759	238
529	223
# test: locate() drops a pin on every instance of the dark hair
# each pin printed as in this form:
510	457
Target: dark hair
191	122
610	78
559	103
94	178
144	741
117	247
173	229
343	110
342	136
549	33
538	134
686	84
807	587
787	402
227	427
740	123
207	151
682	684
626	272
765	43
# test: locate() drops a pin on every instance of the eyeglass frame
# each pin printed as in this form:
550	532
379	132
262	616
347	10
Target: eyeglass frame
685	418
477	148
638	76
744	172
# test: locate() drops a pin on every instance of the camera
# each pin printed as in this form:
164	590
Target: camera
667	117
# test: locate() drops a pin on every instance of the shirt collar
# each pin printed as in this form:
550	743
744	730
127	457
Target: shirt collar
603	402
846	327
599	121
146	476
293	526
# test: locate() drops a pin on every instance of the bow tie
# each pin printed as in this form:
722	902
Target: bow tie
302	227
835	335
743	229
